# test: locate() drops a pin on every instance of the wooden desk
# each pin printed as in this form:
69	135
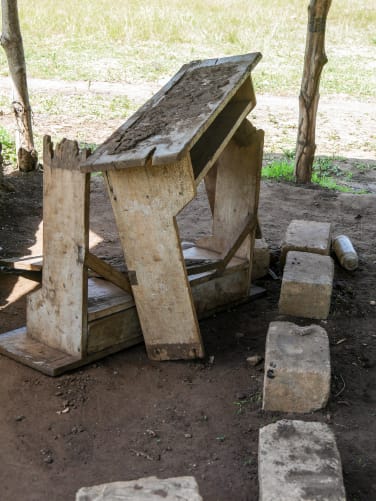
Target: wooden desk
194	128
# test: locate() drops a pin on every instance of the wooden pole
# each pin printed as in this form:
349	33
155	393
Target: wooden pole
314	61
11	40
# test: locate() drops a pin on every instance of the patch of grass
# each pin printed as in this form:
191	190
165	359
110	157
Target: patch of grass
9	147
280	170
324	173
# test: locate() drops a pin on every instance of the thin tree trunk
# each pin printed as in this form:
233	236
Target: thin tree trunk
11	40
314	61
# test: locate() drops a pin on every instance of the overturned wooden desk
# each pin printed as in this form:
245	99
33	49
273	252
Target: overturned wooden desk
193	129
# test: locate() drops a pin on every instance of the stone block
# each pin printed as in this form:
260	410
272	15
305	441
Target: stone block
297	368
307	236
261	259
306	285
298	461
143	489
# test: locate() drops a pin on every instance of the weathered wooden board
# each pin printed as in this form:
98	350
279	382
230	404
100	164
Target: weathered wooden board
145	202
120	328
21	347
28	263
171	122
57	313
105	298
234	193
107	271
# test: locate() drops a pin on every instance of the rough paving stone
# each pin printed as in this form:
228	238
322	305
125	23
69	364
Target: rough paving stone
299	461
306	285
261	259
297	368
307	236
143	489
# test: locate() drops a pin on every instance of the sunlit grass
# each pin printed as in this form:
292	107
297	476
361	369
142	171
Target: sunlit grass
325	174
138	40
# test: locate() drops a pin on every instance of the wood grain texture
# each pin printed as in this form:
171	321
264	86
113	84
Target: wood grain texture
171	122
145	202
235	194
107	271
57	313
30	263
119	328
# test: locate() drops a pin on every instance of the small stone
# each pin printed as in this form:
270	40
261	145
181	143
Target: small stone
187	435
19	418
372	303
254	360
48	460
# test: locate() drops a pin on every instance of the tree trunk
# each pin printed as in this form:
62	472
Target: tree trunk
11	40
314	61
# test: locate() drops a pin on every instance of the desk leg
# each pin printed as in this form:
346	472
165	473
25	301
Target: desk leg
145	201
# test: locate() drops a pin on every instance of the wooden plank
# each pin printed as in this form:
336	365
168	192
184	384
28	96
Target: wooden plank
199	261
145	202
169	124
220	291
237	185
57	313
28	263
105	298
107	271
19	346
229	253
120	328
210	145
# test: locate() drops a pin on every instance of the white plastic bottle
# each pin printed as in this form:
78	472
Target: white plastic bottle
345	252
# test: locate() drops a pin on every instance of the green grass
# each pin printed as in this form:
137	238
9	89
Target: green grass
325	174
9	147
146	40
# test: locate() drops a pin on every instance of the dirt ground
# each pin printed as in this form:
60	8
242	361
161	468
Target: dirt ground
130	417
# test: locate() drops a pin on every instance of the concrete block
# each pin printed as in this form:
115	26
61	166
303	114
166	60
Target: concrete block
143	489
261	259
299	461
307	236
306	285
297	368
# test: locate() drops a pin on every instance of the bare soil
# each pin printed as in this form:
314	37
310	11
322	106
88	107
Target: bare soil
129	417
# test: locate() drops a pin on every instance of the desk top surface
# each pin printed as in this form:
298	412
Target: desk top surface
173	120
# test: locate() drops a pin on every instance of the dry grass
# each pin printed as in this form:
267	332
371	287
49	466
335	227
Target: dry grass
137	40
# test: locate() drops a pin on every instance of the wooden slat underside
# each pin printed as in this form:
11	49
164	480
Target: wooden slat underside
173	120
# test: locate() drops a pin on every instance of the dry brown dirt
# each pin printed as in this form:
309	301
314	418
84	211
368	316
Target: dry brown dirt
130	417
